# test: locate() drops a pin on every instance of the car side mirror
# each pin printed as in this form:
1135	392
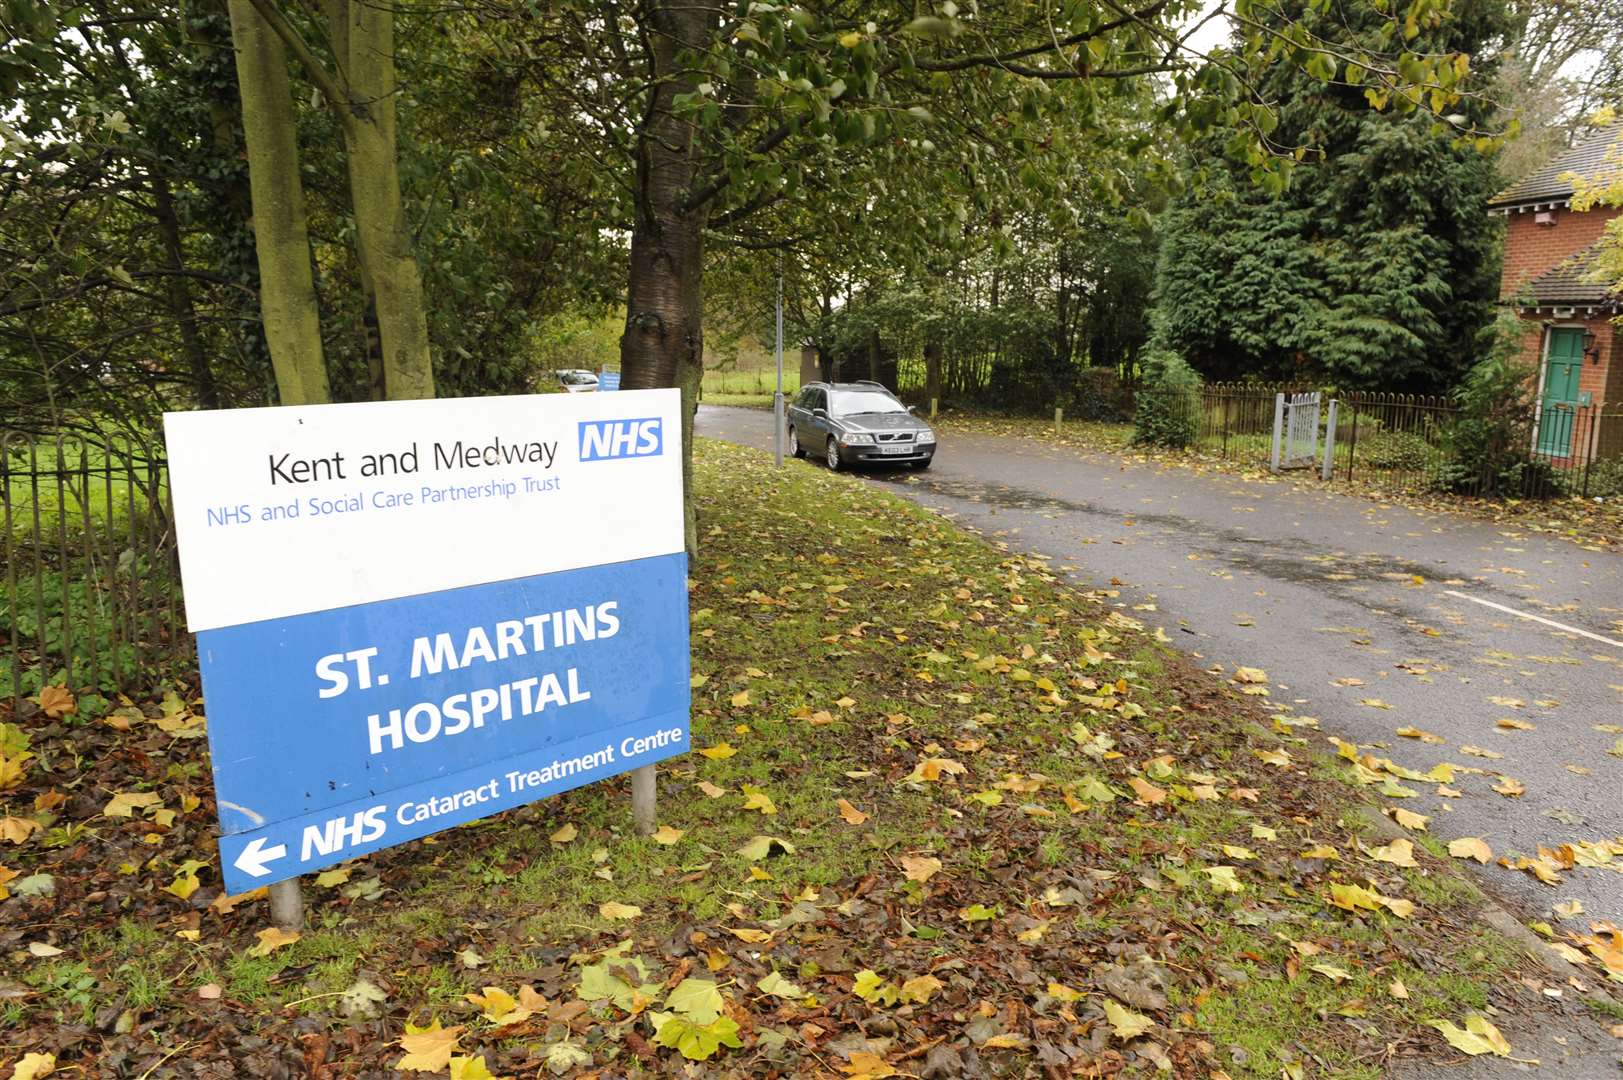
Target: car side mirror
913	409
823	413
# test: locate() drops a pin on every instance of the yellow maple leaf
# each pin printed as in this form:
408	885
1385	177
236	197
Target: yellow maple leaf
1409	819
1278	757
34	1066
272	939
920	868
1399	852
920	989
499	1007
850	813
1126	1023
183	886
125	803
56	701
565	833
667	835
866	1066
1250	675
757	799
331	879
933	769
711	791
616	910
1147	793
1061	992
1470	847
1509	787
741	699
719	752
428	1049
471	1068
749	934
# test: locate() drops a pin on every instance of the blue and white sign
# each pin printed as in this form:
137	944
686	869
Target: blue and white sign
411	615
608	380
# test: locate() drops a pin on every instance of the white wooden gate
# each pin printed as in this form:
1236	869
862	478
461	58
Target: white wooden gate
1296	431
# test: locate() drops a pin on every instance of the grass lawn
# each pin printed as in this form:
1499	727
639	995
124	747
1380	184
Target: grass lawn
1592	522
946	812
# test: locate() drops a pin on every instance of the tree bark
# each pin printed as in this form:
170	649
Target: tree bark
179	295
389	270
663	343
873	356
287	294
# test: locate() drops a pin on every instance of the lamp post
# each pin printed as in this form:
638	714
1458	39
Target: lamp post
777	395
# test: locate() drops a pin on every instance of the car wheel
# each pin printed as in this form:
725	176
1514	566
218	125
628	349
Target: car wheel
833	455
795	449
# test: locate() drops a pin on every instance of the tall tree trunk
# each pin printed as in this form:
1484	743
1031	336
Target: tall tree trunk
363	39
179	295
663	343
873	356
287	294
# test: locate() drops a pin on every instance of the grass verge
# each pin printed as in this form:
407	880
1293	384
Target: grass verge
1594	523
946	814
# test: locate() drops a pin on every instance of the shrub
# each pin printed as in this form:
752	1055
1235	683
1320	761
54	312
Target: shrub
1167	408
1605	480
1490	441
1404	451
1099	394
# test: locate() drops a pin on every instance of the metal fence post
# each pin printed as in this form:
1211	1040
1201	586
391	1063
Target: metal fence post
643	789
1279	425
1059	419
1352	443
1329	442
287	905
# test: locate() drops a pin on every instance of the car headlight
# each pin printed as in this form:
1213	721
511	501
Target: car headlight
857	440
924	437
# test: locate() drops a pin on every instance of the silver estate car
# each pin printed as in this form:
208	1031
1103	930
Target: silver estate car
857	423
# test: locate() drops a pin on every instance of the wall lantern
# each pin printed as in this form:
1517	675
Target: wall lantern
1592	346
1545	218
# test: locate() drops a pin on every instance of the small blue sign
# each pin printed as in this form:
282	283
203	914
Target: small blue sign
340	732
608	380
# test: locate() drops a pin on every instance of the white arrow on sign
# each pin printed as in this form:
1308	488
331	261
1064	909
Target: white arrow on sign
253	858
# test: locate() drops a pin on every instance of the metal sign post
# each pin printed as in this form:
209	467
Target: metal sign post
777	396
415	614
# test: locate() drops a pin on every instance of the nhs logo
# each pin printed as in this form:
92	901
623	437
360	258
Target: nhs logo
601	440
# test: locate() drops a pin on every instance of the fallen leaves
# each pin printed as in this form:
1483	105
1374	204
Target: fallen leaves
428	1049
1510	787
1124	1022
1478	1036
613	909
1399	852
757	799
271	939
931	770
56	702
850	813
666	835
1470	847
1409	819
125	803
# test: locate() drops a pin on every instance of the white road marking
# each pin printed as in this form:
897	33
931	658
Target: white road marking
1535	618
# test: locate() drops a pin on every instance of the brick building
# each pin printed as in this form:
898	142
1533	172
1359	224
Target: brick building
1550	250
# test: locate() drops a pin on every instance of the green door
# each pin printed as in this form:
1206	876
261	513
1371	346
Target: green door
1560	397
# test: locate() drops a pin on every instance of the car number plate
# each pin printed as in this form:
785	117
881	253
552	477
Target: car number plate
895	448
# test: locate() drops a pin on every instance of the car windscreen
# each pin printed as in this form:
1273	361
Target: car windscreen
851	402
575	378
